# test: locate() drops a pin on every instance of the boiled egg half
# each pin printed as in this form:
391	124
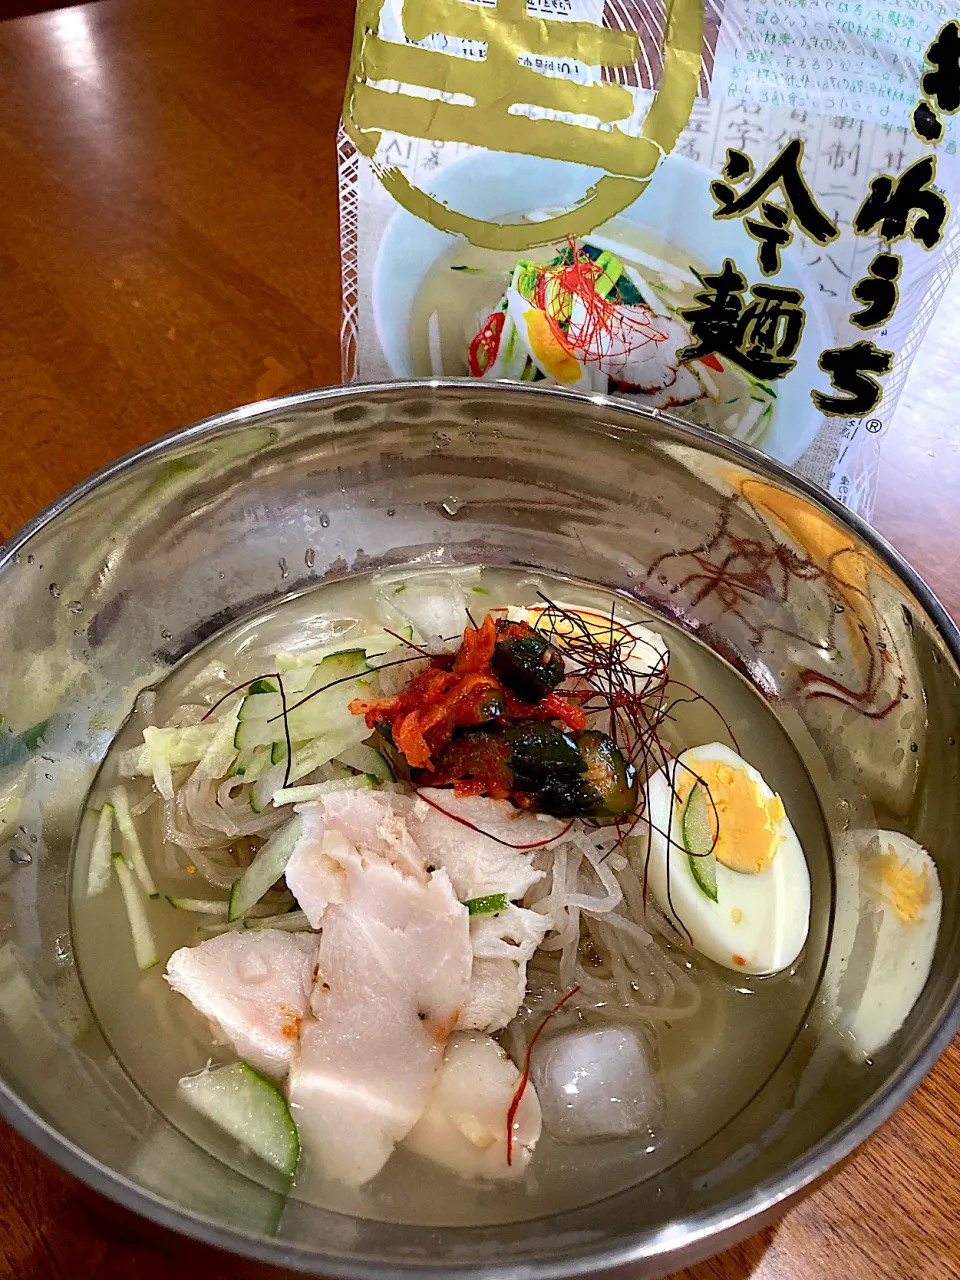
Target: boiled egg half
643	651
746	905
900	902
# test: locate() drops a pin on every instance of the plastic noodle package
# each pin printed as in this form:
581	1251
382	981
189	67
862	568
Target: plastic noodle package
738	213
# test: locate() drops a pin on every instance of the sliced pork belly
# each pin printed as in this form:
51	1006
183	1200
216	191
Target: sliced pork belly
255	989
481	862
464	1126
314	877
394	967
502	944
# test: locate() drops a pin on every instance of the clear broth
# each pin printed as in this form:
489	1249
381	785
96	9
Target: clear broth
710	1065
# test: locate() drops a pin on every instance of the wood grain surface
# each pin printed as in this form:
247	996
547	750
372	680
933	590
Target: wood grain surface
168	249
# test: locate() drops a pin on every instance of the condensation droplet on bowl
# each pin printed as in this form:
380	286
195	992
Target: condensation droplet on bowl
29	559
914	746
284	568
20	857
324	522
441	439
838	608
75	606
54	590
451	506
222	574
309	557
166	635
16	557
391	511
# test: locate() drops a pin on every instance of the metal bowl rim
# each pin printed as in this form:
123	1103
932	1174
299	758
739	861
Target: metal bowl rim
696	1231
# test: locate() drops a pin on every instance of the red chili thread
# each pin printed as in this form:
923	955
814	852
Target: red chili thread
521	1087
589	332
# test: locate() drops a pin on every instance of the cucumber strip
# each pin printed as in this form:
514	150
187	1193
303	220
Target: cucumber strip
244	1104
289	922
698	840
311	756
324	713
316	791
294	681
487	905
203	906
373	643
255	762
267	706
264	871
132	848
221	753
278	751
217	907
368	760
179	746
159	764
144	944
101	851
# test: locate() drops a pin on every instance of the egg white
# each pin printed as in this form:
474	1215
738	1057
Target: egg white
760	922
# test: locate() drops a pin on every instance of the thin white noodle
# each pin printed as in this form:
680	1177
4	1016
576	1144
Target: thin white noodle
601	943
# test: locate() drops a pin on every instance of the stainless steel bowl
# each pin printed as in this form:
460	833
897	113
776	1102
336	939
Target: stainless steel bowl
122	576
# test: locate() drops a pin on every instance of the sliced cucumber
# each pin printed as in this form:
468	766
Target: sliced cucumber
178	746
339	666
202	906
325	712
101	851
312	755
132	848
368	760
488	905
221	753
698	840
248	1107
159	762
144	943
317	790
278	751
265	870
288	922
373	643
253	763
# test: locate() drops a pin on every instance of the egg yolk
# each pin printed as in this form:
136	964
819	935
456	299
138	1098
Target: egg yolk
906	888
553	353
749	835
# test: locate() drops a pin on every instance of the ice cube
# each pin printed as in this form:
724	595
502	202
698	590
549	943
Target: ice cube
595	1082
433	602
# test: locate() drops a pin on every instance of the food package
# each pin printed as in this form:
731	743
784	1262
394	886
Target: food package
737	213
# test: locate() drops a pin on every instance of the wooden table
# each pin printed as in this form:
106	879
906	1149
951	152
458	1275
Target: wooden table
168	248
